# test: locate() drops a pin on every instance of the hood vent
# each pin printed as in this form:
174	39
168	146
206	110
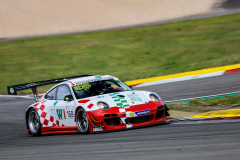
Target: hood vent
120	95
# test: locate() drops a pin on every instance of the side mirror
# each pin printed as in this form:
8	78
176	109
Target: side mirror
68	98
131	87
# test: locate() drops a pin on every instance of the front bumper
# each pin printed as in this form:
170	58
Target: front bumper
120	118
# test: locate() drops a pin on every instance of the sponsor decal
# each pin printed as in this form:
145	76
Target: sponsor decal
99	76
70	114
134	97
132	114
138	113
131	97
142	113
81	86
59	113
100	96
11	90
97	129
137	97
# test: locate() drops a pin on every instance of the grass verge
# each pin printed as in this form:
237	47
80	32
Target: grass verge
128	53
205	105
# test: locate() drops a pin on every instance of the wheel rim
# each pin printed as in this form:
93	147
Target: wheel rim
33	121
82	121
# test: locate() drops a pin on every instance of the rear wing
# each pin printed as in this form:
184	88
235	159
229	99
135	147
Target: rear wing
12	90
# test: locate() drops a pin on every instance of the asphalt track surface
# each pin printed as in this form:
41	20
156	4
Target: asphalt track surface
196	88
177	141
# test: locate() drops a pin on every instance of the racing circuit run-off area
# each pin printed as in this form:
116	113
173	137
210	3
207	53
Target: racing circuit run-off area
214	139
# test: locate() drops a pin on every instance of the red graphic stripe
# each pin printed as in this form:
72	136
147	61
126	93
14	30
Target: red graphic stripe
71	83
64	113
90	106
84	101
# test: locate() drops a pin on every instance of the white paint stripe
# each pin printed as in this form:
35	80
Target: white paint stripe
222	94
27	96
122	110
129	125
181	79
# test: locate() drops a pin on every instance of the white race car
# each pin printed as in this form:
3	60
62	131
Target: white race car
90	104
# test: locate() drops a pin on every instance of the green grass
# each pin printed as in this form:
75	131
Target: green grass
128	53
205	105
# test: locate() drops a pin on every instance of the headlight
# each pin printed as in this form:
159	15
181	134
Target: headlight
154	98
103	105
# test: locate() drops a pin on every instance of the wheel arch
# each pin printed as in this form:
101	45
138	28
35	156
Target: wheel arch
76	112
26	116
81	107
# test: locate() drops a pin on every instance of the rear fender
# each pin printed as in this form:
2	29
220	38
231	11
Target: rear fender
26	118
26	115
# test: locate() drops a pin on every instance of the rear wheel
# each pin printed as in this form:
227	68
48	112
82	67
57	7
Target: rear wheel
82	121
34	122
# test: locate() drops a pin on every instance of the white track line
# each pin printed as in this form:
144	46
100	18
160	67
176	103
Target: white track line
27	96
222	94
212	74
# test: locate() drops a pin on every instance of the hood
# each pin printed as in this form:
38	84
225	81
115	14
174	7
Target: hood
121	99
125	99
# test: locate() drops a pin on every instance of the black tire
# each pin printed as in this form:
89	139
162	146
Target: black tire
34	122
82	121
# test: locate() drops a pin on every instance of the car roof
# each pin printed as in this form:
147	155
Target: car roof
91	78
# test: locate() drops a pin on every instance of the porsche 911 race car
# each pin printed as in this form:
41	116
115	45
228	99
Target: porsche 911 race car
88	104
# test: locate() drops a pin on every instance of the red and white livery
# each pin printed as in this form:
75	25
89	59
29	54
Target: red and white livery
91	104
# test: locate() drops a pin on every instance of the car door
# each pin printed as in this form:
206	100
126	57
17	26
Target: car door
64	110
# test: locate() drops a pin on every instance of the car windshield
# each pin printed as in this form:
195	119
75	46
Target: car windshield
99	87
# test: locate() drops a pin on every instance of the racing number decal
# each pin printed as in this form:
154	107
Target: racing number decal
82	86
70	114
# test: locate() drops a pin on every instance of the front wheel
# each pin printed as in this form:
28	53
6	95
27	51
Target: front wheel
82	121
34	122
